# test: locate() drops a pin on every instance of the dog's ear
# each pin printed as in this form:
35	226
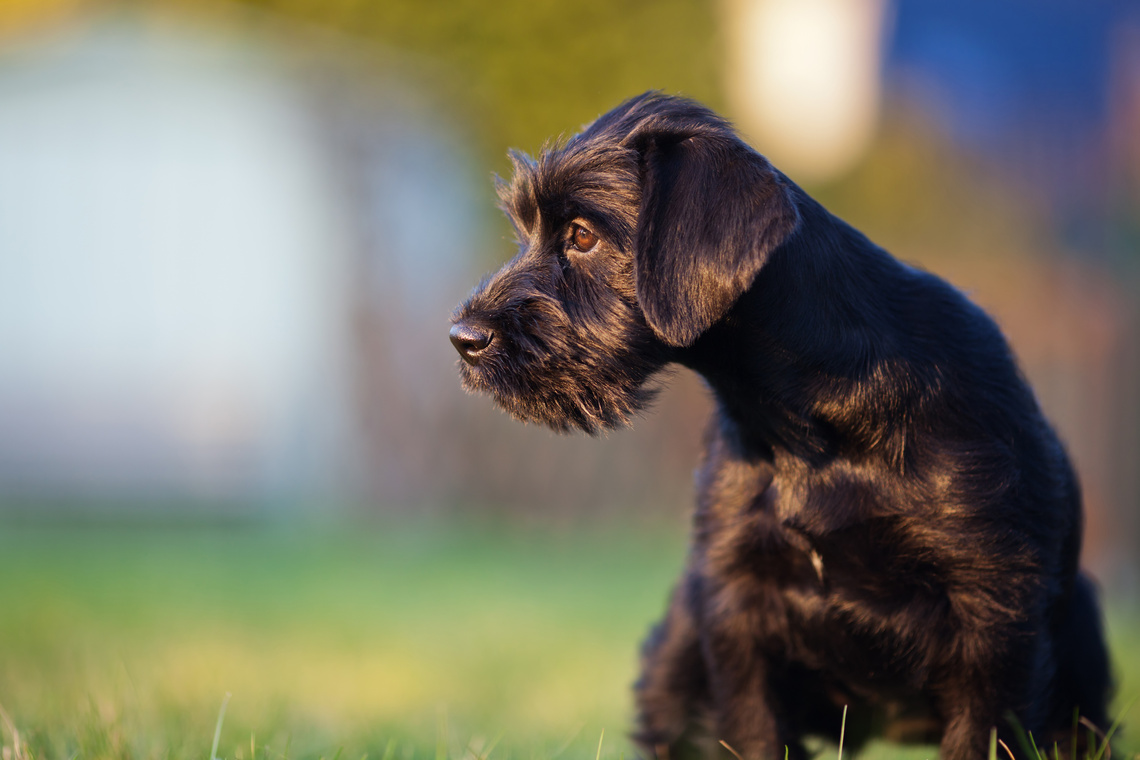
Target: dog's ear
712	210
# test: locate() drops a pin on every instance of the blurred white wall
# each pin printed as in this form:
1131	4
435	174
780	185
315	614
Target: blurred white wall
172	267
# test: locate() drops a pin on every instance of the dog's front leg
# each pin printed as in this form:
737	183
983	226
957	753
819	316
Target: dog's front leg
747	709
994	668
673	683
969	719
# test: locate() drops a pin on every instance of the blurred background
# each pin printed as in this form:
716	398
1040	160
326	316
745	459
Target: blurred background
234	454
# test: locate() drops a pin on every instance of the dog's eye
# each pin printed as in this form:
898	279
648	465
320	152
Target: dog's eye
582	239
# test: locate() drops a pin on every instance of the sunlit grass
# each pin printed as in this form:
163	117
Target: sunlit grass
124	640
433	642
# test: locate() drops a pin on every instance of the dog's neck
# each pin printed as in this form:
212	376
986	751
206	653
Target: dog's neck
799	334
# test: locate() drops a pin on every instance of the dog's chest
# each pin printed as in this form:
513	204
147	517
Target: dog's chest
821	573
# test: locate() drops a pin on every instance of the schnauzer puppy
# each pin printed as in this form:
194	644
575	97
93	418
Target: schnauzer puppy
884	520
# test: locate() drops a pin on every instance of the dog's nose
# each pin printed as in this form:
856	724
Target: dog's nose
470	340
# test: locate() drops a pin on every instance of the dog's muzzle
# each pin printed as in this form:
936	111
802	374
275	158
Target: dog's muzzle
471	340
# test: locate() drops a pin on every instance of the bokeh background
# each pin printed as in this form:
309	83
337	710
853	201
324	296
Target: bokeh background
234	454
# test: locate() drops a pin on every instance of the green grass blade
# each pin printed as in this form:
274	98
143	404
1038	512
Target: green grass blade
218	727
842	731
736	754
1112	729
1023	741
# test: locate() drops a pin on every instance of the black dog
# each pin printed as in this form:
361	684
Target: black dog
885	519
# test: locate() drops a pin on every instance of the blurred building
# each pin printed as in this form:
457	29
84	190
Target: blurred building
181	258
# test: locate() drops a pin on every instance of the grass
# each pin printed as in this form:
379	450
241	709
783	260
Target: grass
416	641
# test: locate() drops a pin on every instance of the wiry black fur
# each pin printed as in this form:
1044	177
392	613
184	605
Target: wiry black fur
885	519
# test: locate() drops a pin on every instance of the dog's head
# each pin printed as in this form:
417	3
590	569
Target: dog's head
635	237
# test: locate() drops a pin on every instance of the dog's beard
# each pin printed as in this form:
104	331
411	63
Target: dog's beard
583	369
560	397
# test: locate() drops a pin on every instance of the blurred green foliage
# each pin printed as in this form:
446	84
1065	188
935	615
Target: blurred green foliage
522	71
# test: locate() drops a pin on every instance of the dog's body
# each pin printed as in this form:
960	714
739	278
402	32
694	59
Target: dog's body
884	516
